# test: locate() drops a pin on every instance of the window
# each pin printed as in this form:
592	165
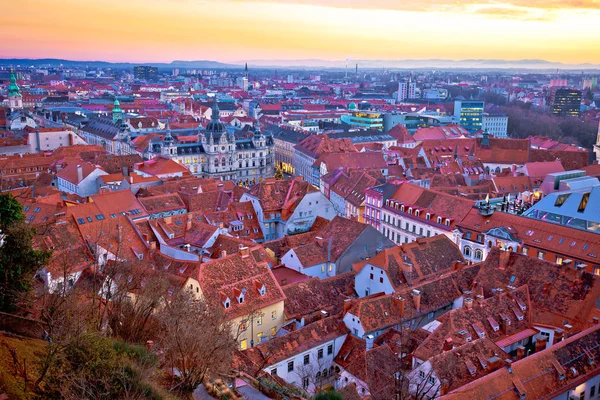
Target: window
243	326
430	380
274	314
430	315
371	276
306	359
330	349
259	336
540	255
422	374
305	382
274	371
273	331
244	344
290	366
320	354
381	279
525	250
323	268
559	260
259	320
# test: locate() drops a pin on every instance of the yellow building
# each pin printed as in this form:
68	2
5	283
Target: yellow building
243	284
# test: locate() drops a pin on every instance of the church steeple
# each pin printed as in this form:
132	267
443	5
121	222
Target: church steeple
117	111
15	99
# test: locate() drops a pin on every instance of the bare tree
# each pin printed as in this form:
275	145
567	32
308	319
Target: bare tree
196	340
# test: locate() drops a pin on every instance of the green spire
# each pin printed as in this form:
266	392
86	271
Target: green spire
13	88
117	111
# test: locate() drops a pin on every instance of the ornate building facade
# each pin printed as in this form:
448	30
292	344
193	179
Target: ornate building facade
244	156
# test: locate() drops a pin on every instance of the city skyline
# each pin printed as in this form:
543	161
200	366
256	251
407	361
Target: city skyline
234	30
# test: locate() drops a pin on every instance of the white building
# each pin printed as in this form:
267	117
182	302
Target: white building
80	179
406	90
496	125
304	358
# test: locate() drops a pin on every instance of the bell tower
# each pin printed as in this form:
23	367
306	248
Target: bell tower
15	100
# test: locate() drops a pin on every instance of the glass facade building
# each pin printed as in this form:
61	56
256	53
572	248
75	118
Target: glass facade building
470	114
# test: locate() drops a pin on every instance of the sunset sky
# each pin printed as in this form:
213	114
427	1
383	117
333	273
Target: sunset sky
234	30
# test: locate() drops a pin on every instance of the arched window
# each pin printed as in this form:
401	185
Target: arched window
402	208
410	210
428	216
417	213
478	254
467	251
439	220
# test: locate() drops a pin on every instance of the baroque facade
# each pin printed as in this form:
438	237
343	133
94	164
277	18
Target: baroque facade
245	157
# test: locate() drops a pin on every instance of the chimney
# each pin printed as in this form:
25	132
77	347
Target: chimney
244	251
504	323
448	344
559	335
595	320
468	303
508	365
458	265
119	233
188	224
152	247
348	303
417	299
131	180
79	173
540	344
369	339
503	258
520	352
398	302
223	253
444	387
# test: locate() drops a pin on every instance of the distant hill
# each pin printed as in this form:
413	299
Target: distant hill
475	64
105	64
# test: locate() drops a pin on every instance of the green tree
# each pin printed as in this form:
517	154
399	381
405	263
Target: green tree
10	210
18	260
331	395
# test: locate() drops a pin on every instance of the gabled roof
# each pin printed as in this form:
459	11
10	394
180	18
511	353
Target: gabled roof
70	172
314	295
545	374
234	274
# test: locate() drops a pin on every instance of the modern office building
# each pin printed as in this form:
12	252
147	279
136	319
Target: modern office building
362	118
145	72
566	102
470	114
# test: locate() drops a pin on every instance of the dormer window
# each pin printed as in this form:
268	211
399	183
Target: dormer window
447	221
227	303
240	298
417	213
439	220
410	210
428	216
402	208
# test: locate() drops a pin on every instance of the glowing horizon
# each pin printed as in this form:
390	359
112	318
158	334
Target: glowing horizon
236	30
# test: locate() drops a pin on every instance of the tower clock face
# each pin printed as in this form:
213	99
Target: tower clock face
223	148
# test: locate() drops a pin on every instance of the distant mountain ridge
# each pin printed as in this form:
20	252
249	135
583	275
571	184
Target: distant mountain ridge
316	63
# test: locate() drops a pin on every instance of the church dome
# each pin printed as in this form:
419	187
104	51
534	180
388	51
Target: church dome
352	106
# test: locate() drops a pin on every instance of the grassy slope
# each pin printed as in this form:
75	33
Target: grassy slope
10	383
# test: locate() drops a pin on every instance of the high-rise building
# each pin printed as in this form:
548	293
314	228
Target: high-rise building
406	90
566	102
470	114
145	72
